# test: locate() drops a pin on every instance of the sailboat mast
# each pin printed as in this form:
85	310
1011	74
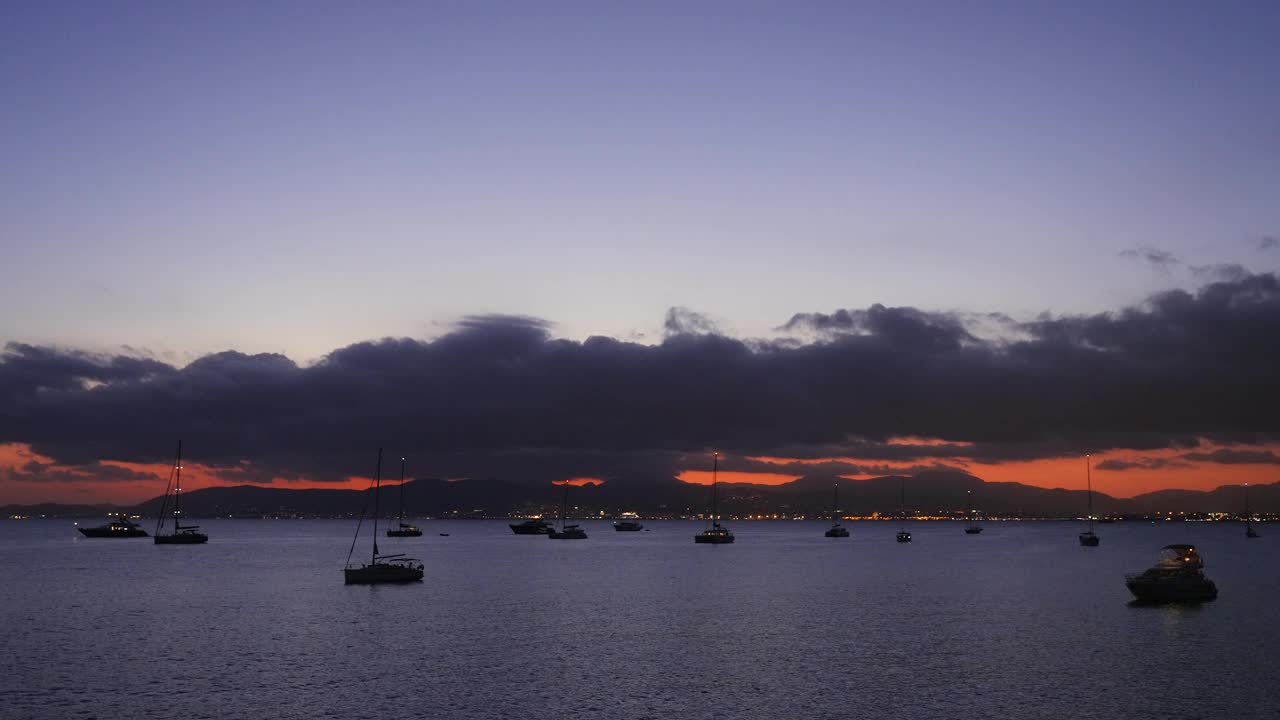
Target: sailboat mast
1248	516
902	506
564	506
377	488
177	491
715	478
968	506
835	503
1088	475
401	492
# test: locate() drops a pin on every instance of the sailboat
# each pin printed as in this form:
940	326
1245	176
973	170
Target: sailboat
405	529
381	568
566	532
974	528
182	534
717	534
1087	538
836	530
903	535
1249	532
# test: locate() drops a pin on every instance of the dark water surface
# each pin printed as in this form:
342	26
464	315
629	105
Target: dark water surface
1019	622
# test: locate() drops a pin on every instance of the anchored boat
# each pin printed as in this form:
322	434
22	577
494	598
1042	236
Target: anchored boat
566	532
628	522
836	530
182	534
1087	538
974	528
717	534
1249	532
903	536
121	527
404	529
1177	576
380	568
532	526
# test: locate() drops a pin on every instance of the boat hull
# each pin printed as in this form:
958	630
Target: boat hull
569	535
1089	539
182	539
382	574
904	537
837	532
404	533
713	539
106	533
973	531
522	529
624	526
1172	590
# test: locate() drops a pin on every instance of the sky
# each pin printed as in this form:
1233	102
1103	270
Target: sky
693	181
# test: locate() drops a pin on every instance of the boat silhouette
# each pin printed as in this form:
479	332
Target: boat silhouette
380	568
182	534
836	530
717	534
974	528
1087	538
403	529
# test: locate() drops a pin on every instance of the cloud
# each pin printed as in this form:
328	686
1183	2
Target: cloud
683	321
1228	456
501	396
1160	259
1229	272
40	472
1143	463
898	326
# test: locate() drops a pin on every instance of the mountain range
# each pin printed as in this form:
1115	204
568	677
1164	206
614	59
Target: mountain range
928	493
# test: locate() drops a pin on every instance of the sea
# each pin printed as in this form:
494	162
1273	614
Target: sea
1018	622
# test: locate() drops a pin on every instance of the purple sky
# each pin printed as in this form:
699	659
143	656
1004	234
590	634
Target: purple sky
292	177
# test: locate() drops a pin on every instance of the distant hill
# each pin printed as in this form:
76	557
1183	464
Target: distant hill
931	492
59	510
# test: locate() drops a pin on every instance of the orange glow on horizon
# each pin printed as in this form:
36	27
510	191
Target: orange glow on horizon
1069	472
77	484
579	481
28	489
703	477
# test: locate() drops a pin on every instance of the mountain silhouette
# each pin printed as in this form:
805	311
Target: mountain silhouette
929	492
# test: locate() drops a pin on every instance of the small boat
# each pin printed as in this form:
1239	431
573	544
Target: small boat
717	534
628	522
903	536
1087	538
974	528
405	529
381	568
182	534
1249	532
121	527
836	530
1177	576
532	526
566	532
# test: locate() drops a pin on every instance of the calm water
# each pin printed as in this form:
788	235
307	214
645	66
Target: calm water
1017	622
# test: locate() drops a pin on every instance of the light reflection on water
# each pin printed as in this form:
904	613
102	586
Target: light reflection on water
1018	622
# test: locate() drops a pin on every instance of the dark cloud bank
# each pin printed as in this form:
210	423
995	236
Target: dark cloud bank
500	396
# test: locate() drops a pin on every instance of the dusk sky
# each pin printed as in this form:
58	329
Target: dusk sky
607	238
